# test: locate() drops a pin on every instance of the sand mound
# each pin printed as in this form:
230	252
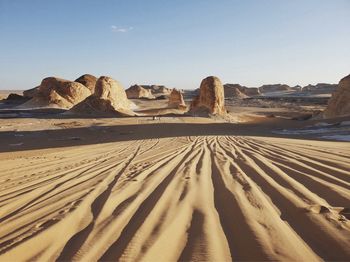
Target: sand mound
339	104
87	80
211	99
109	99
137	92
57	92
176	100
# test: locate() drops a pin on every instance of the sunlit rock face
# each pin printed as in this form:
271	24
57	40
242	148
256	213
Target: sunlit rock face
109	98
211	98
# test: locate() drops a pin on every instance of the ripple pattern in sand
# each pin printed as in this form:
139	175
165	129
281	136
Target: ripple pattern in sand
214	198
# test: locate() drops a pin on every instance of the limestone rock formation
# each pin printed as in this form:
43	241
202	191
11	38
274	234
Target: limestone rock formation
211	98
109	99
137	92
16	97
320	87
239	91
176	100
58	92
87	80
274	88
158	90
30	93
234	91
339	103
252	91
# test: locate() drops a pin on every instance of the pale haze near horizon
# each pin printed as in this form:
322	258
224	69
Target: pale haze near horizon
175	43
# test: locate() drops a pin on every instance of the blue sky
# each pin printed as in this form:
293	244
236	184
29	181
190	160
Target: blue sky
175	42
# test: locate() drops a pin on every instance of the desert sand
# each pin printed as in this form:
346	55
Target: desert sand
264	186
158	191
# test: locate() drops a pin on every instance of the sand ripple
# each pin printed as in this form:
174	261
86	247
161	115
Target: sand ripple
216	198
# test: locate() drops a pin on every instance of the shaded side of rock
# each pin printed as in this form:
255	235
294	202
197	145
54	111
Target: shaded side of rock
30	93
339	103
87	80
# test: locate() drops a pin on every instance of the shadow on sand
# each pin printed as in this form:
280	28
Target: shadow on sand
11	141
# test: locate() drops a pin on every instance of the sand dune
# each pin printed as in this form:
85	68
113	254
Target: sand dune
183	198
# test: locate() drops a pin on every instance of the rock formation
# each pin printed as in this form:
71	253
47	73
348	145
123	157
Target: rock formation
109	99
274	88
58	92
87	80
158	89
16	97
176	100
137	92
30	93
238	91
252	91
339	103
211	99
320	87
234	91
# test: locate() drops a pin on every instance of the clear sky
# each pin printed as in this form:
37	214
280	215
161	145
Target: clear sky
175	42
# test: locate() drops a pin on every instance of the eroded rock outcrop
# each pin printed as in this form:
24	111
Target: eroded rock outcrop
176	100
234	91
87	80
252	91
138	92
158	90
109	99
57	92
30	93
211	98
274	88
339	103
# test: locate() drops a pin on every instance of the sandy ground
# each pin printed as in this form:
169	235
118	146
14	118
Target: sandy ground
175	188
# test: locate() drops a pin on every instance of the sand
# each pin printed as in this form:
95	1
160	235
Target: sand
216	198
169	189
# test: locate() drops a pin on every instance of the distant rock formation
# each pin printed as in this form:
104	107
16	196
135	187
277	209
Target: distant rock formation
137	92
297	88
320	87
239	91
176	100
252	91
274	88
211	99
87	80
109	99
158	89
339	103
57	92
234	91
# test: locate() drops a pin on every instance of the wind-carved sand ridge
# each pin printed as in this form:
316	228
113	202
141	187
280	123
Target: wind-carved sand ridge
216	198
